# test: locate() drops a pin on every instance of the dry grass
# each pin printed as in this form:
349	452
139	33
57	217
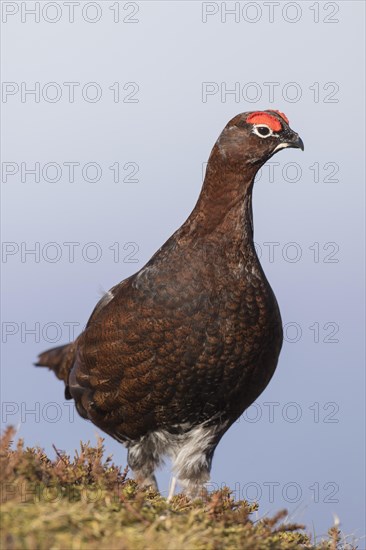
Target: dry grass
86	502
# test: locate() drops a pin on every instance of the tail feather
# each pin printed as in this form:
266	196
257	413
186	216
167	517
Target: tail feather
60	360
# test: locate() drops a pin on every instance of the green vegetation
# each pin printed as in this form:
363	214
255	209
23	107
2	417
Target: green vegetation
88	503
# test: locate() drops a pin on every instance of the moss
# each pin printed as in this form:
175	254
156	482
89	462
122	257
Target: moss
86	502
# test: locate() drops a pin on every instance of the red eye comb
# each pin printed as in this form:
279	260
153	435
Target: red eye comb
261	117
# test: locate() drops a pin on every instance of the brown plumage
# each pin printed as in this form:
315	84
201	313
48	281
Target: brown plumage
174	354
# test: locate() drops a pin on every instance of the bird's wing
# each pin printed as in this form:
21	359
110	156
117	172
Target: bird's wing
137	351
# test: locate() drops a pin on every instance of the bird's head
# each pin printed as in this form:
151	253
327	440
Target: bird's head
254	137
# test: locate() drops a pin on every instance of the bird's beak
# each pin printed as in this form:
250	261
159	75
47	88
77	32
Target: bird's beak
290	139
296	141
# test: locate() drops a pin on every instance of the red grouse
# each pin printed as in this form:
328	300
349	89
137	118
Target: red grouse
174	354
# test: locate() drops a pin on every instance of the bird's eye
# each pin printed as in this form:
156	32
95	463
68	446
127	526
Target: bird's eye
262	131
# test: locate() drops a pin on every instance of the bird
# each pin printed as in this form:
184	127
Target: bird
173	355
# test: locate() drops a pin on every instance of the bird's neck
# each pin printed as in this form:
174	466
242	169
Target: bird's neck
224	207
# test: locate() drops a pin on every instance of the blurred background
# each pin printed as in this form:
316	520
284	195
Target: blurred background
110	110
